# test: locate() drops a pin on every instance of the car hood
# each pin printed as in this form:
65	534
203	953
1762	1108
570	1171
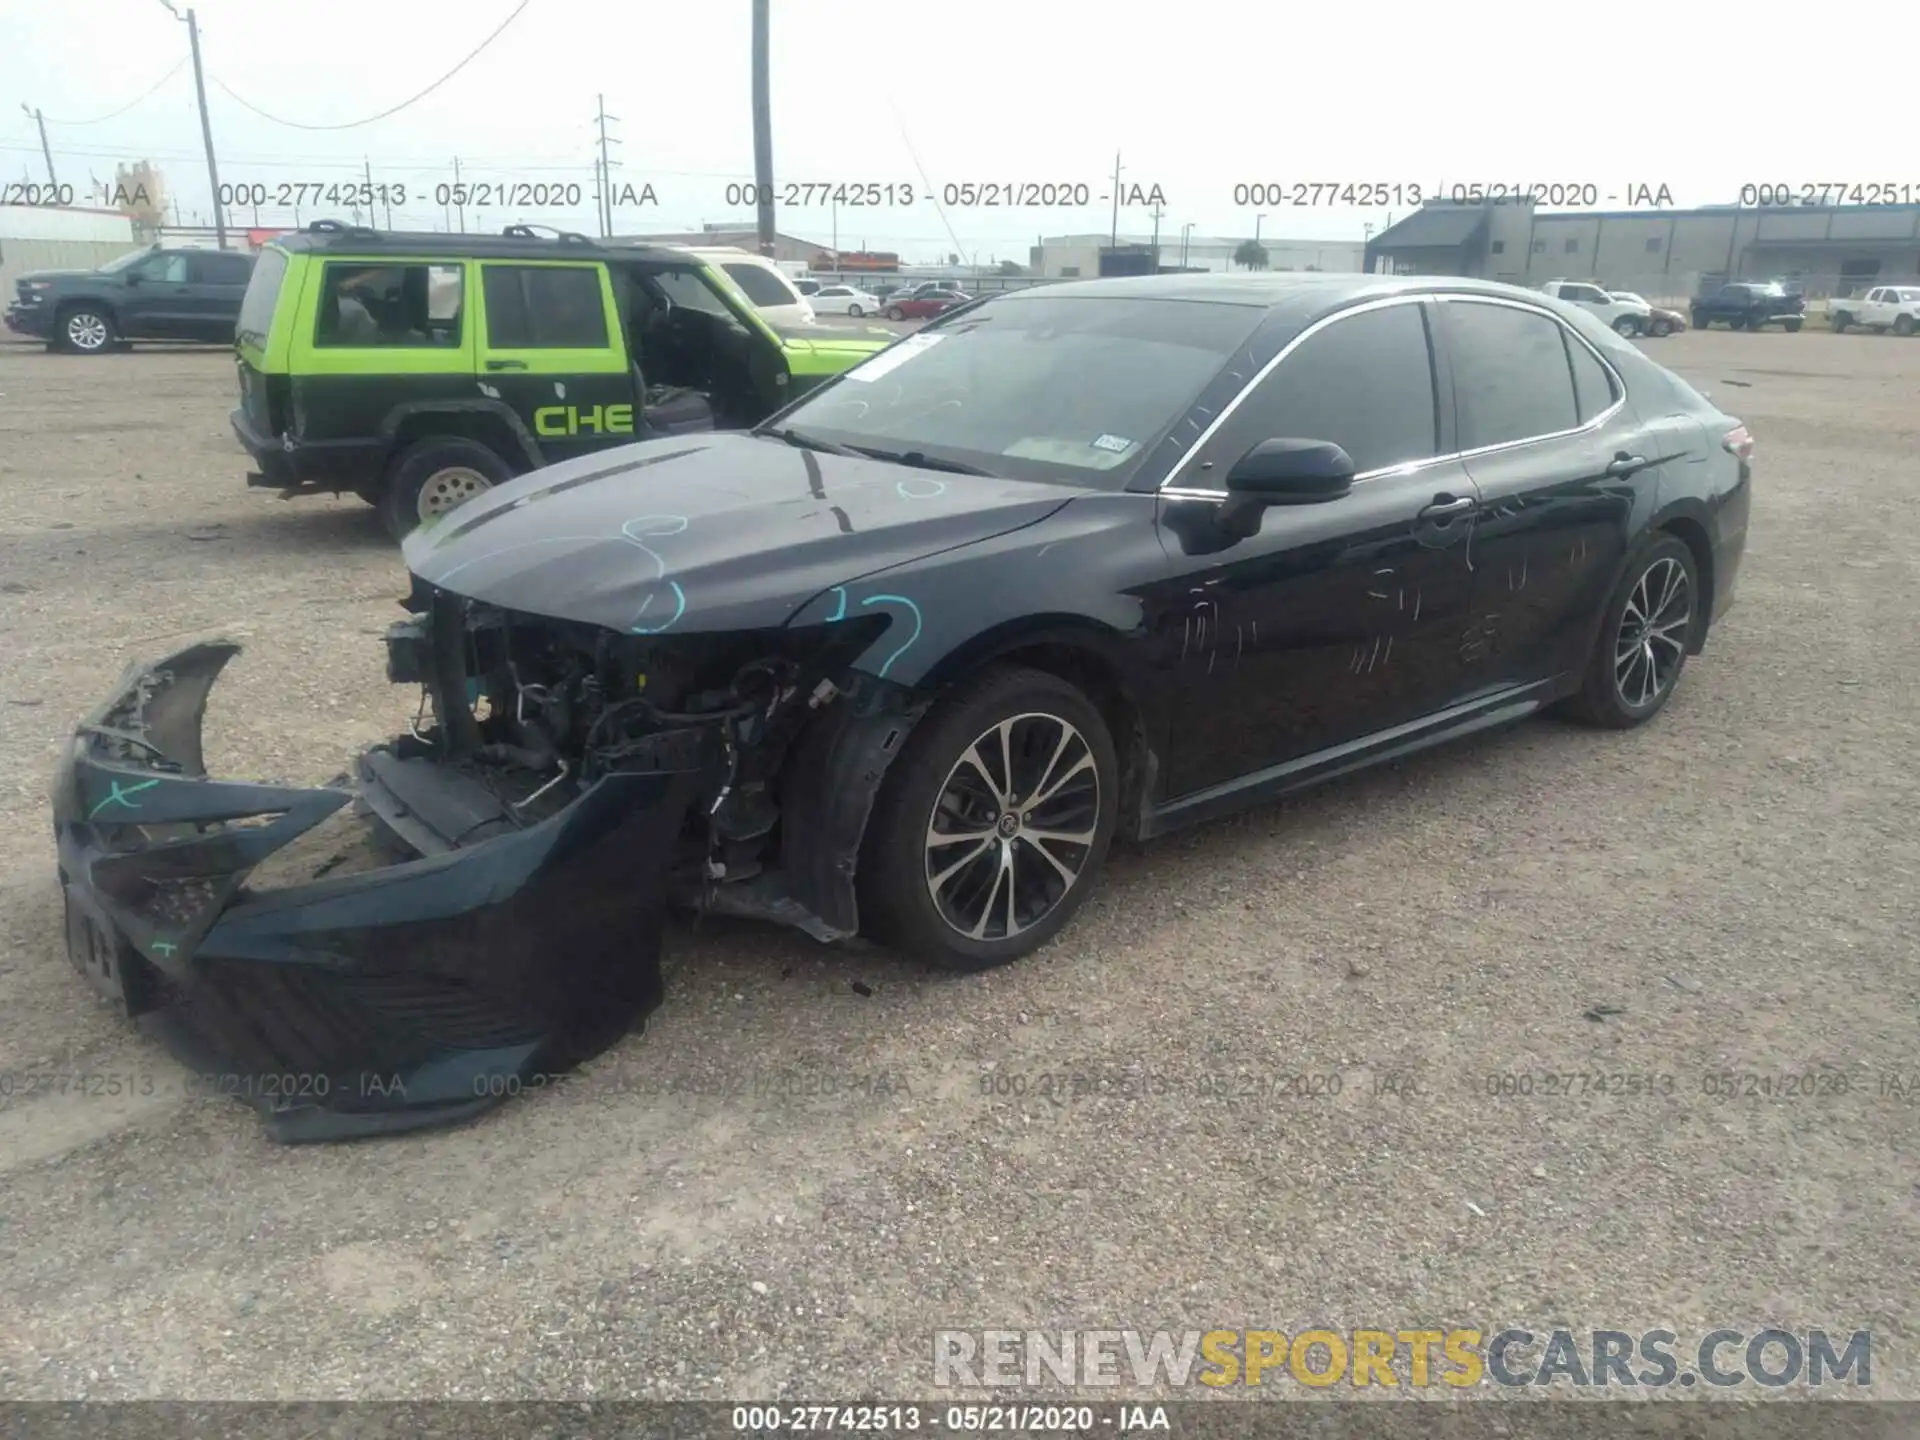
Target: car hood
52	274
707	533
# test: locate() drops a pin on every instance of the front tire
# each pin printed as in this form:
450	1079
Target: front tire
1644	638
436	475
86	330
992	827
894	312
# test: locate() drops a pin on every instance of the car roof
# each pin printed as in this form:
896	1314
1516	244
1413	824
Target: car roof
364	240
1301	294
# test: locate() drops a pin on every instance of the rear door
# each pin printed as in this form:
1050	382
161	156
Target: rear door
552	349
216	281
1558	456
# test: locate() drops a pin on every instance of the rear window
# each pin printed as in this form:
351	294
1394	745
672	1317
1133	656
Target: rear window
545	307
763	286
263	290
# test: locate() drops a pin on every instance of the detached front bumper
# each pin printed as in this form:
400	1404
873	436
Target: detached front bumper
416	993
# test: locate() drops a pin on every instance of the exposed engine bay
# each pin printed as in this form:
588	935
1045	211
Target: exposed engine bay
520	715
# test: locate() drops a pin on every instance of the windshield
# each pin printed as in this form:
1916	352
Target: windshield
121	262
1075	390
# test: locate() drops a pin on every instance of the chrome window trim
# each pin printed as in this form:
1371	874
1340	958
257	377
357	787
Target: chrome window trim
1188	492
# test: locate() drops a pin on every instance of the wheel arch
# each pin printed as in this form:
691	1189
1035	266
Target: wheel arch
488	422
1091	656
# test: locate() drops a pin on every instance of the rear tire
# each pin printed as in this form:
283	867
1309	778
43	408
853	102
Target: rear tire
1792	326
1903	325
1661	329
1626	327
1840	321
960	866
854	312
435	475
1645	635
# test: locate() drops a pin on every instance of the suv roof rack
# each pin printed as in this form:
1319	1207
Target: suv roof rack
336	227
532	232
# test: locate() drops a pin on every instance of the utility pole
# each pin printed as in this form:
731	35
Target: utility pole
1113	240
206	125
606	172
1157	213
40	120
762	127
366	166
1186	230
1256	226
459	196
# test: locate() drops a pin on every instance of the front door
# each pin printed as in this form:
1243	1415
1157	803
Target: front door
158	303
1562	463
552	349
1336	620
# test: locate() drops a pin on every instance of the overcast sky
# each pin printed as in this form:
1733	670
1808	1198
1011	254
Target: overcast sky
1197	97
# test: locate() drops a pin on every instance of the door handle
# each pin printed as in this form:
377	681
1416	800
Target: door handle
1625	464
1445	506
506	364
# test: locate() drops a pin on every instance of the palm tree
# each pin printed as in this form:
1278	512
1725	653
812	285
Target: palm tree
1250	255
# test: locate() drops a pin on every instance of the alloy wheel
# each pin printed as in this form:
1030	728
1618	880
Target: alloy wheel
86	331
1013	826
446	489
1652	640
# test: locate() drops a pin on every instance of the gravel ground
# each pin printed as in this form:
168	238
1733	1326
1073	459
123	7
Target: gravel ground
1731	889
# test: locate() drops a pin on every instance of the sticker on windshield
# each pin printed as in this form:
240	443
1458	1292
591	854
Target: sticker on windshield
893	357
1118	444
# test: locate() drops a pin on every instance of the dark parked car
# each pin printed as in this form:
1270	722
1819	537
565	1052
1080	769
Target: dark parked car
923	304
153	294
1748	306
1089	561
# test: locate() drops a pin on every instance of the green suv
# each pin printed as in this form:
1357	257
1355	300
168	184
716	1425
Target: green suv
418	370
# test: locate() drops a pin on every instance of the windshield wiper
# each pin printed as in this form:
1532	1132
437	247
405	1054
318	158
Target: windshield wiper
920	460
807	442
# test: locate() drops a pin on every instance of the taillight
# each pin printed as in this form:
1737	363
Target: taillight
1739	441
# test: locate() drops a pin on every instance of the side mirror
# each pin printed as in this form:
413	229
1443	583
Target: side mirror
1283	471
132	277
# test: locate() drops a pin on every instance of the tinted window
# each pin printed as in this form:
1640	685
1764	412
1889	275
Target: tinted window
216	269
263	289
544	307
1510	375
1364	382
763	286
1034	387
389	306
1592	386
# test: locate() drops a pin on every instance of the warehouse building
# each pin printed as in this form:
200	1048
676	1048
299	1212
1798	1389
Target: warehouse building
1661	254
37	237
1071	257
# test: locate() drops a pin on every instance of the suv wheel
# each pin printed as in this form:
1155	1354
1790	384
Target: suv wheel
1643	638
435	475
1903	325
86	330
1841	319
1792	327
1626	326
992	827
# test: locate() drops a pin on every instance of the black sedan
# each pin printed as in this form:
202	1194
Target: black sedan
1074	563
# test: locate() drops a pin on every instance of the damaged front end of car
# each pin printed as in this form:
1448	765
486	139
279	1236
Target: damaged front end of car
482	905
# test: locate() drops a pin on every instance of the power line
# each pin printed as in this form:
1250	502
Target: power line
394	110
115	114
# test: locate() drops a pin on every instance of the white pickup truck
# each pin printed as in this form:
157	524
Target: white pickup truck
1883	308
1627	317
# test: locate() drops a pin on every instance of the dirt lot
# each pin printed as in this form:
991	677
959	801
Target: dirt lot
1730	890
